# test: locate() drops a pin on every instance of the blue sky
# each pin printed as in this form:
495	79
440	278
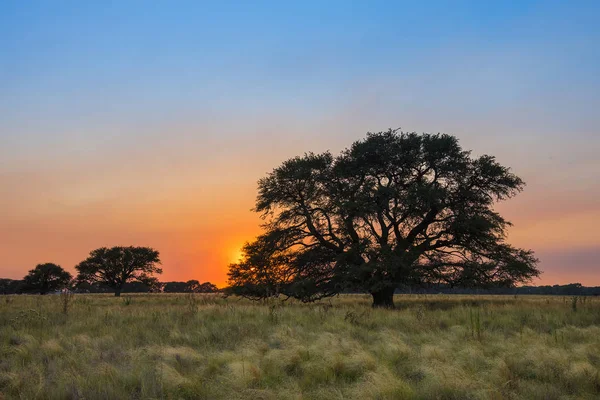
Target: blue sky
134	57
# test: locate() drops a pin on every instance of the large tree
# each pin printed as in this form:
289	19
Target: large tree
394	209
117	266
45	278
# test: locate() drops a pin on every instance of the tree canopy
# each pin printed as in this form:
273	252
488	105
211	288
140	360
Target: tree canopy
10	286
117	266
394	209
46	278
191	286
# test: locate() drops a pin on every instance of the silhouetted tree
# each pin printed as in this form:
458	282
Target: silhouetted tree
265	270
10	286
154	285
571	289
116	266
175	287
93	287
207	287
45	278
394	209
141	287
191	286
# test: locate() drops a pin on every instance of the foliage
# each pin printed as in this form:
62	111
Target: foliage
394	209
263	272
191	286
571	289
46	278
10	286
117	266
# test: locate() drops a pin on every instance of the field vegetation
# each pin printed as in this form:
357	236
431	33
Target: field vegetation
190	346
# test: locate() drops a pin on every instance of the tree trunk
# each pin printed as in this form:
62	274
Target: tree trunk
118	292
384	298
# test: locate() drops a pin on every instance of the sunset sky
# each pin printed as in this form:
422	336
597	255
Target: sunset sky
149	123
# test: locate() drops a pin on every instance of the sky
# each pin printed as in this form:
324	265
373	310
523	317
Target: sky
149	123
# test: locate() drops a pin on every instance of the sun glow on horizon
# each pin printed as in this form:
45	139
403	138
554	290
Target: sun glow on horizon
235	255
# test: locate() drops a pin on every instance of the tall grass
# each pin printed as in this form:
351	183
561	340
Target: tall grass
206	347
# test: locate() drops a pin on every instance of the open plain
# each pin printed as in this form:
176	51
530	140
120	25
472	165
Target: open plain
160	346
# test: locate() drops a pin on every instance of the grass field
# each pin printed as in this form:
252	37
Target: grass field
207	347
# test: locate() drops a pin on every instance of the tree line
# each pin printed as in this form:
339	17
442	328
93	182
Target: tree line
16	286
571	289
116	269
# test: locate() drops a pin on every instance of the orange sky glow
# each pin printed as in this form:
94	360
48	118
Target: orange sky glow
198	213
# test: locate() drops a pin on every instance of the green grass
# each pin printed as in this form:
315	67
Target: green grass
206	347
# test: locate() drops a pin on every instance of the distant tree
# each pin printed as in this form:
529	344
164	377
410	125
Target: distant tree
175	287
207	287
10	286
45	278
395	209
191	286
87	287
117	266
572	289
154	285
137	287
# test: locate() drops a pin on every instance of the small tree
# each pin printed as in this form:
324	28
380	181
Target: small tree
10	286
175	287
264	270
116	266
45	278
207	287
191	286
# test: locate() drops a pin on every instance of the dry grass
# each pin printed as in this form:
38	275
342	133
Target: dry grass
207	347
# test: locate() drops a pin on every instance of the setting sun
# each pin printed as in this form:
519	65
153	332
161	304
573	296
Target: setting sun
235	255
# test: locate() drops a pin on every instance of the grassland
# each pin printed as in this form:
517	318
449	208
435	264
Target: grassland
208	347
